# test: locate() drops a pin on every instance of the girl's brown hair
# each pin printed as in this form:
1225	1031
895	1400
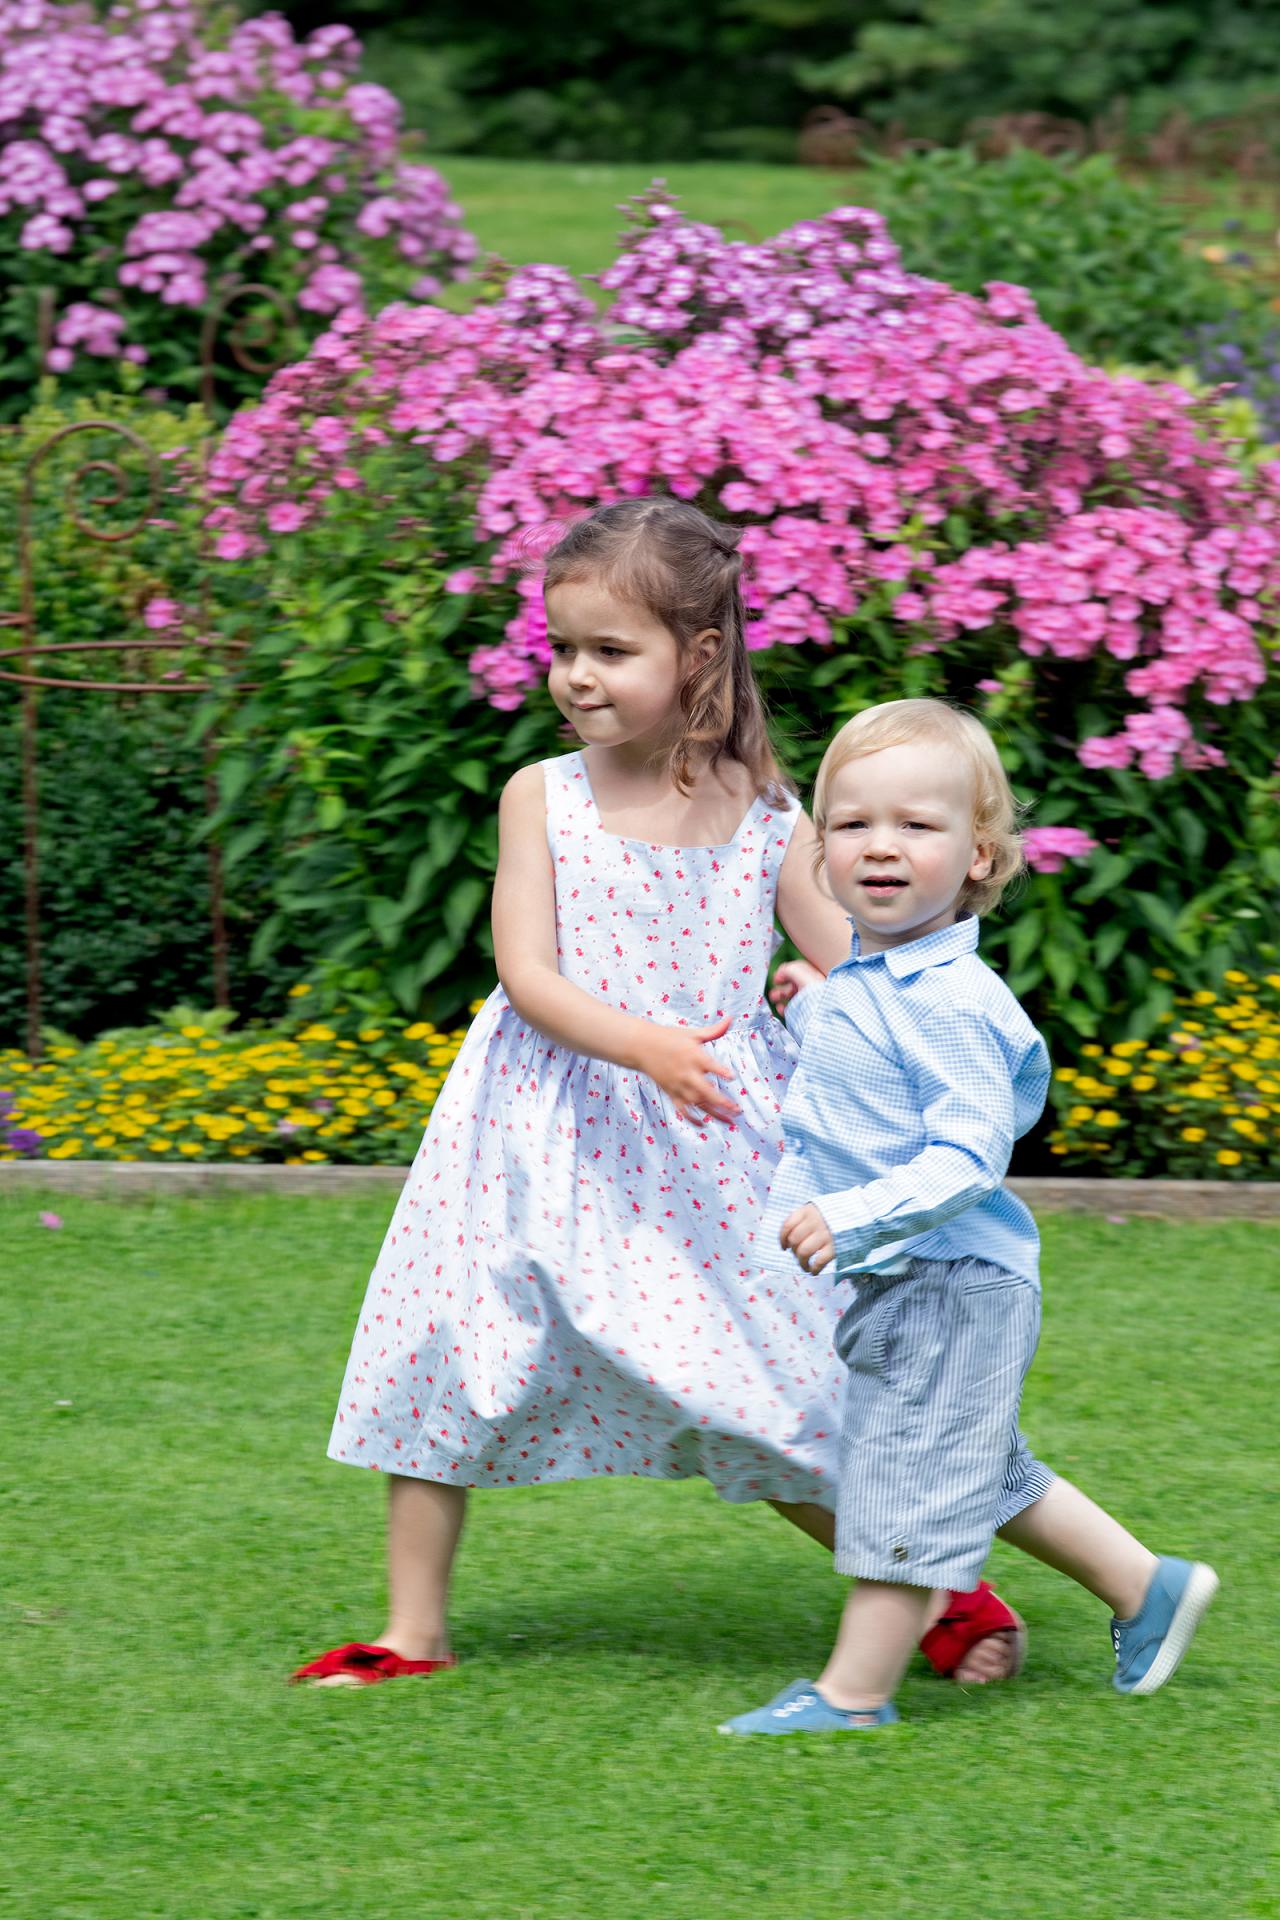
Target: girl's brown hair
683	568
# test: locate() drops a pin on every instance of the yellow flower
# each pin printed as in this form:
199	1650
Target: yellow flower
189	1146
418	1031
1118	1069
1076	1116
1228	1157
312	1154
296	993
65	1150
1108	1117
384	1098
369	1034
192	1033
1091	1052
1203	998
1125	1049
1236	978
1067	1074
1194	1134
1144	1082
1257	1113
318	1033
1161	973
276	1101
1249	1128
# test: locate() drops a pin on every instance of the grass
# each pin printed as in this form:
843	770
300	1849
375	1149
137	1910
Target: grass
175	1541
558	210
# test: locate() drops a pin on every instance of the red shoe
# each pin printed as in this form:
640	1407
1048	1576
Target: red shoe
365	1666
967	1619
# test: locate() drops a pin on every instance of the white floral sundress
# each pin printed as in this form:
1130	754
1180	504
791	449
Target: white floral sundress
567	1288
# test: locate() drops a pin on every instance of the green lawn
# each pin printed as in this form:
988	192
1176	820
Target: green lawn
556	210
175	1541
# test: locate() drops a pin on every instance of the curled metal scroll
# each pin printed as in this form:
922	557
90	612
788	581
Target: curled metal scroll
248	336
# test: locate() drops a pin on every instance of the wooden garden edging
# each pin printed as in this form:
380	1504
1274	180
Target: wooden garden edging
99	1179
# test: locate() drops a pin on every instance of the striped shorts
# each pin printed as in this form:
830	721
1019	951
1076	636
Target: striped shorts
932	1460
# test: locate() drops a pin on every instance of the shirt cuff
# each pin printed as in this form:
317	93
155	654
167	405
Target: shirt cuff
850	1225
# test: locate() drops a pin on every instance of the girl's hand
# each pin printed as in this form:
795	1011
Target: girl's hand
792	977
675	1059
806	1234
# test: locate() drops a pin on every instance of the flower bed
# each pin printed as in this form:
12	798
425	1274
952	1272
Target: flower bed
303	1094
939	497
1200	1101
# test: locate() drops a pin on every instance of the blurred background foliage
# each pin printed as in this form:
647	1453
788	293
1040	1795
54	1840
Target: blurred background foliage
733	79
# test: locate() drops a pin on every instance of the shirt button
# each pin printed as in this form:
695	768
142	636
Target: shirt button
793	1144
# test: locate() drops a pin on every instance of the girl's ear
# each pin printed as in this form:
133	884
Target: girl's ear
705	646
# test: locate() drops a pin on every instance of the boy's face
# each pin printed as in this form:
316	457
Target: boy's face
899	842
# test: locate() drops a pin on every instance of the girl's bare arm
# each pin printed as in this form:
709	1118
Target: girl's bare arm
524	947
814	922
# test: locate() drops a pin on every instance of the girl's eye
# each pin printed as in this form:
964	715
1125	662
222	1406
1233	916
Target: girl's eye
851	826
922	826
613	653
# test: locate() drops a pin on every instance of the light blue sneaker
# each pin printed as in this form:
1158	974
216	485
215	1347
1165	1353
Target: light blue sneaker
800	1708
1150	1646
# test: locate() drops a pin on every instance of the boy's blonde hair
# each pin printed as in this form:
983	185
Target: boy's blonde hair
900	723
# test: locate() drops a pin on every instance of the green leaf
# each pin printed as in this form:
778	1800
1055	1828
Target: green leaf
1024	938
235	771
473	774
462	903
384	918
266	939
1108	944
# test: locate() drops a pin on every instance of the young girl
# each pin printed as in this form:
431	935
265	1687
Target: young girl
567	1289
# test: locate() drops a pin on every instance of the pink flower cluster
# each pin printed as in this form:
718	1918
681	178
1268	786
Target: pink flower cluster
676	277
262	156
889	443
1049	848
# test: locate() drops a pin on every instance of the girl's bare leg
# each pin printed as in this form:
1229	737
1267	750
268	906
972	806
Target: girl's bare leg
424	1525
878	1629
990	1659
1068	1532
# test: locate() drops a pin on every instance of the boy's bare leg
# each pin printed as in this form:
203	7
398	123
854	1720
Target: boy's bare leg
990	1659
424	1525
878	1631
1067	1531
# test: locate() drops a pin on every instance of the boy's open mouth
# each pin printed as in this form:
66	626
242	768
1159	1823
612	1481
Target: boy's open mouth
883	885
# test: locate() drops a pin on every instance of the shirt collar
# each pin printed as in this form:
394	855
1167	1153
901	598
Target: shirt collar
931	950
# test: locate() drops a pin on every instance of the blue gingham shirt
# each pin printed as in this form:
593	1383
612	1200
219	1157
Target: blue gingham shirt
918	1070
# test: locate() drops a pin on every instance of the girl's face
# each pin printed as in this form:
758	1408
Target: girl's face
615	671
899	842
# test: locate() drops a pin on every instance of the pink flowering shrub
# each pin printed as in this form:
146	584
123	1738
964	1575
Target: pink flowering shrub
939	495
153	151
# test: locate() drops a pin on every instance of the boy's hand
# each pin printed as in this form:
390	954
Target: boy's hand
806	1234
677	1060
792	977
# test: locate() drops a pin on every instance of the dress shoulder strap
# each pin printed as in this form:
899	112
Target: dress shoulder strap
568	795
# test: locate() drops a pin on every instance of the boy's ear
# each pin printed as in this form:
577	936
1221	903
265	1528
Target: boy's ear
982	863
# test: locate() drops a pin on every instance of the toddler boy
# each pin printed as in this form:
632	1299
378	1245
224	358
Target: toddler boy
918	1070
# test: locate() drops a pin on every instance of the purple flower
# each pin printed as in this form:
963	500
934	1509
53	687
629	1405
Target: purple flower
24	1140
